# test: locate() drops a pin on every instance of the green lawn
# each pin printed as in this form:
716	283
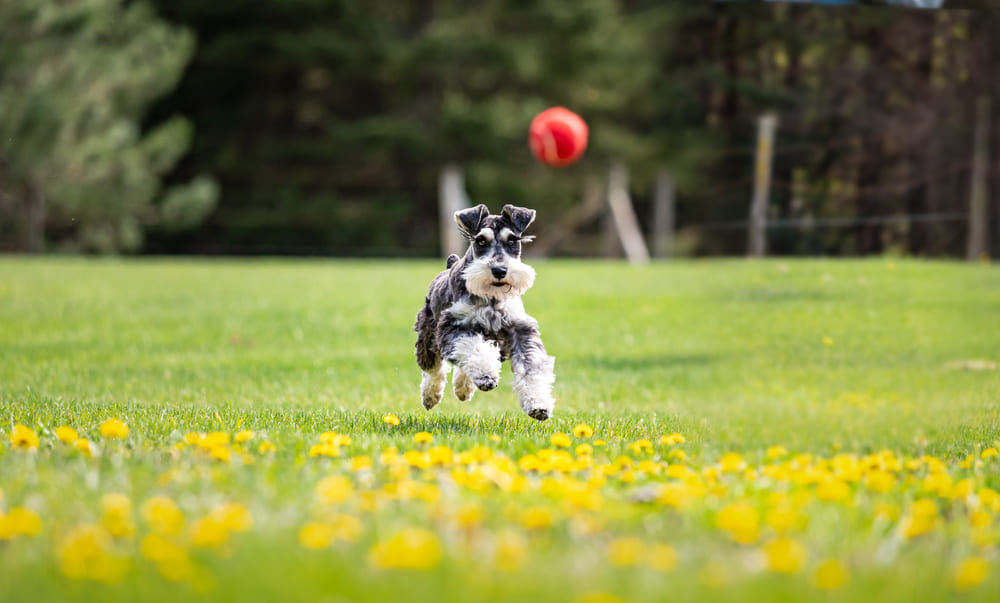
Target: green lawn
828	358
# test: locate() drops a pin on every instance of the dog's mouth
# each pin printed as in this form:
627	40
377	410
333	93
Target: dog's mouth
499	284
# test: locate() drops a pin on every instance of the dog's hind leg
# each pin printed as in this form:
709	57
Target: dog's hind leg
432	384
462	384
434	370
533	373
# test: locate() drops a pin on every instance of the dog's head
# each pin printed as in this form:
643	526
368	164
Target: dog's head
493	263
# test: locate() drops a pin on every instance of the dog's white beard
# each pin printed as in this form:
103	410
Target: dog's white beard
479	279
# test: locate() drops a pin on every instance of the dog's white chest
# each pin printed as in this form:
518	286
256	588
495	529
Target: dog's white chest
491	317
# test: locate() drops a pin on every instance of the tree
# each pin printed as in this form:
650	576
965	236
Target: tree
75	165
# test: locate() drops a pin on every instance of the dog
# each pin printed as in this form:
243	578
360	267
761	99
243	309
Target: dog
473	318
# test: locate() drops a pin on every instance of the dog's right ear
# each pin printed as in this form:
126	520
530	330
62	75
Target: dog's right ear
469	220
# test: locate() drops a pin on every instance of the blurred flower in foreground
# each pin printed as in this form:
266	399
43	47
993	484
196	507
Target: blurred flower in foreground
583	431
391	420
831	574
114	428
67	434
422	437
24	438
970	573
412	548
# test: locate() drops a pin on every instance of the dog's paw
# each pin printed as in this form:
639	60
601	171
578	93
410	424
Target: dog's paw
487	382
541	414
430	401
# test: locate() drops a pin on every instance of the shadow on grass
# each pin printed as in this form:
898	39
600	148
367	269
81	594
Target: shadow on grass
639	362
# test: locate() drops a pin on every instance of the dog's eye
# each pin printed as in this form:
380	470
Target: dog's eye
512	243
481	242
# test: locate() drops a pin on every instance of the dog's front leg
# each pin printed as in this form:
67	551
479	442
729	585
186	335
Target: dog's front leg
533	372
477	357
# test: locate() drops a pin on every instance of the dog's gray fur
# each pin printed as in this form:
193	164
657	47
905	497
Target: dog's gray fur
474	319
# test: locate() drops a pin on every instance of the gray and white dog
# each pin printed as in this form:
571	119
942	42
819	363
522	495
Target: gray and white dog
473	317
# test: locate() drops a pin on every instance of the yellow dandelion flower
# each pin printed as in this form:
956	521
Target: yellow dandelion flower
85	553
221	454
880	481
19	522
162	515
774	453
732	462
827	341
266	448
784	555
672	439
833	490
740	521
831	575
347	527
209	532
989	498
536	518
584	450
989	453
625	551
324	450
411	548
597	443
662	558
583	431
334	489
359	463
641	447
391	420
243	436
23	438
678	455
233	516
316	535
114	428
971	572
67	434
85	446
423	437
923	518
560	440
116	515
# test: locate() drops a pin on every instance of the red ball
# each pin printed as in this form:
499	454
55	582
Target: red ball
558	137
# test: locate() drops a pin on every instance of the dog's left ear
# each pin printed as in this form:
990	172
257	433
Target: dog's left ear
470	219
520	217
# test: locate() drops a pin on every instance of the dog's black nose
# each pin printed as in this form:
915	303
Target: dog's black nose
498	271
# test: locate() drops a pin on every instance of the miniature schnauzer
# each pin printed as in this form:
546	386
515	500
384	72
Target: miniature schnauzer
474	319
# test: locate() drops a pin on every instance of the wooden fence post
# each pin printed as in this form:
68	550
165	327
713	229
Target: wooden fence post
978	242
451	198
757	237
623	215
663	215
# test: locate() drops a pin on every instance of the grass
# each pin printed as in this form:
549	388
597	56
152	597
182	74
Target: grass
821	357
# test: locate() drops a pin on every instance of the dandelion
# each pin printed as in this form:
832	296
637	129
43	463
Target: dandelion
221	454
536	518
360	463
391	420
162	515
67	434
85	553
560	440
116	515
316	535
266	448
243	436
740	521
583	431
19	522
775	452
209	532
831	575
23	438
923	518
422	437
85	446
784	555
328	450
641	447
827	341
114	428
672	439
970	573
599	443
625	551
233	516
334	489
584	450
411	548
732	462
